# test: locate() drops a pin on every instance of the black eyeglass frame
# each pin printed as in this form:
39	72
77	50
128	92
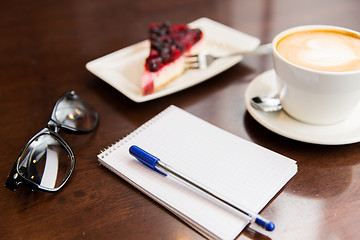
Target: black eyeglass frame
15	178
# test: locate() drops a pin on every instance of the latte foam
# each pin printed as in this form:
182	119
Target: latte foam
324	50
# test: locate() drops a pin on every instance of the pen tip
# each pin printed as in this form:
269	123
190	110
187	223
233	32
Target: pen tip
270	226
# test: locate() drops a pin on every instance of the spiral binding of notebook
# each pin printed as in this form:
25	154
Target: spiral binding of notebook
106	151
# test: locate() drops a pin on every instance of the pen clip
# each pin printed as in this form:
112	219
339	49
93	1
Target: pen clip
145	158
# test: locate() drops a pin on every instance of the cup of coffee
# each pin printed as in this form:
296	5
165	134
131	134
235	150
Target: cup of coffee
318	72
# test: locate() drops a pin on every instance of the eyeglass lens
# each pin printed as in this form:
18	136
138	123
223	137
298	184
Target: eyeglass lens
75	114
45	162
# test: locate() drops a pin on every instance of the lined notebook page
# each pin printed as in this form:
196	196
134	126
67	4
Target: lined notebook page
240	171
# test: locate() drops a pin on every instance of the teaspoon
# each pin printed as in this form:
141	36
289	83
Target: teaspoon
266	104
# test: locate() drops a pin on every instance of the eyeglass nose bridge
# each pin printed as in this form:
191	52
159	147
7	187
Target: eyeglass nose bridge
53	125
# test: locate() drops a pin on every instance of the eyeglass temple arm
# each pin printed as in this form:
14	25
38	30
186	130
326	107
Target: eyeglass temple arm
13	180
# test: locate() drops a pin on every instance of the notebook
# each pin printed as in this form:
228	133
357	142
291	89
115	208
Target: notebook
236	169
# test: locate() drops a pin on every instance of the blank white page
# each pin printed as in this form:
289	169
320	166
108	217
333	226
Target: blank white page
229	166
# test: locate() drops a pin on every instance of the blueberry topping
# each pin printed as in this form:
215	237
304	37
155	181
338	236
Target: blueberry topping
168	42
154	64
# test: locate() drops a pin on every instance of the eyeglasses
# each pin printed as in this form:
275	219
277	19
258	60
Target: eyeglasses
47	162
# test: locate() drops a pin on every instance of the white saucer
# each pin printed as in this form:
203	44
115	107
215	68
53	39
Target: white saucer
281	123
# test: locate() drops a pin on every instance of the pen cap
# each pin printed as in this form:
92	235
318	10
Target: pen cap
145	158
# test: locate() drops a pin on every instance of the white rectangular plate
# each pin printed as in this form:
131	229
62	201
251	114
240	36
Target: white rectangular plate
123	69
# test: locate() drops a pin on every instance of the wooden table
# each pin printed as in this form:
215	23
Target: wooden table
44	46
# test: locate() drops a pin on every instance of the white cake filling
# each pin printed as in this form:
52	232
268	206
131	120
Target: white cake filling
170	71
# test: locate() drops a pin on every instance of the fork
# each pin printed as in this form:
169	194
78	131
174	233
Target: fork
204	60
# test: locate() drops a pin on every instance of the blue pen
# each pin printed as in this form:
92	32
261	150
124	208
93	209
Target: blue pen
154	162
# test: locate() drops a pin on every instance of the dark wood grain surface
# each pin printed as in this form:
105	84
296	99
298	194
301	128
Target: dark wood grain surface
44	46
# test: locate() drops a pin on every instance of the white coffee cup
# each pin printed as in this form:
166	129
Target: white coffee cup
311	95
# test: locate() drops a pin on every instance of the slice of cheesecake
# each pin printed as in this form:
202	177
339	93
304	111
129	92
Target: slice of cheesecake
170	44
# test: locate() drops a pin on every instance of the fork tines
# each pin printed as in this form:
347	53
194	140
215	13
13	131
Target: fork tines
195	62
192	62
